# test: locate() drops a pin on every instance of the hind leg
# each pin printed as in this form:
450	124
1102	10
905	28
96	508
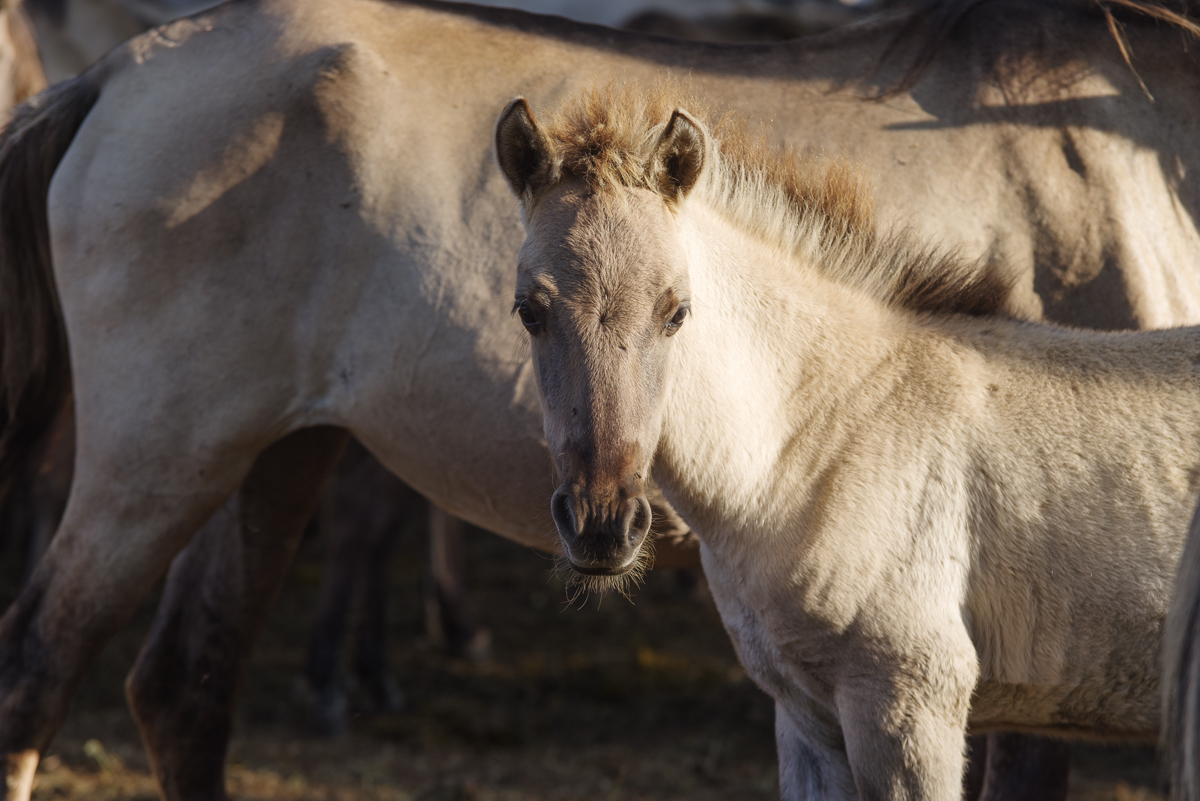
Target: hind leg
378	687
371	508
127	517
184	685
1025	768
446	617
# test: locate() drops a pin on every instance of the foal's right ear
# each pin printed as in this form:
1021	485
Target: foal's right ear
522	150
679	156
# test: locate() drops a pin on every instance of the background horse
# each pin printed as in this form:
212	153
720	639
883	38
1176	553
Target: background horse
915	515
392	264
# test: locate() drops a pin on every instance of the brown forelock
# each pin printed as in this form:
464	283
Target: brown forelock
928	25
606	136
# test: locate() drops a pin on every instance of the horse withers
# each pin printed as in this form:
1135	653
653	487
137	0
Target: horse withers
917	516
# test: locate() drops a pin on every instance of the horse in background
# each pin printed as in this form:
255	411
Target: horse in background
71	35
370	508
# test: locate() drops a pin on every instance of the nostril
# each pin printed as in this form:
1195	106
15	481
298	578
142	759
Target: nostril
564	515
639	525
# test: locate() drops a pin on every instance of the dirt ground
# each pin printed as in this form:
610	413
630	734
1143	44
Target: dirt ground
641	700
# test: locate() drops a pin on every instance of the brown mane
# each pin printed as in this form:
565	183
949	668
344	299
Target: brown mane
605	136
928	25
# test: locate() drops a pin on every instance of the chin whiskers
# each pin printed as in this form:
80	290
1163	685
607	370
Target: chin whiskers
581	587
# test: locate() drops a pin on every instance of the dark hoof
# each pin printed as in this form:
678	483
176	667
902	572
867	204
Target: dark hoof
376	695
328	712
476	647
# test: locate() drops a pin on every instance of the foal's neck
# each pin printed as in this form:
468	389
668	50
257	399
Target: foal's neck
777	366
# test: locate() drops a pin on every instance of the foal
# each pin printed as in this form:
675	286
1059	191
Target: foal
916	518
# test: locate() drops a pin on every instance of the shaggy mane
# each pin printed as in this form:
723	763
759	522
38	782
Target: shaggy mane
822	212
931	24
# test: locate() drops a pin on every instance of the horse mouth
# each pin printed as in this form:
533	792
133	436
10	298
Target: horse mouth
604	571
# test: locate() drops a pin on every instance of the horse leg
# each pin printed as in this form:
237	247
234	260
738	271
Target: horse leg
194	627
445	605
183	687
370	633
125	520
378	504
360	523
370	507
51	484
905	725
344	564
1026	768
973	776
812	765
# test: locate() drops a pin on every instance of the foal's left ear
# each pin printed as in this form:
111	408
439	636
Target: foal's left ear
679	156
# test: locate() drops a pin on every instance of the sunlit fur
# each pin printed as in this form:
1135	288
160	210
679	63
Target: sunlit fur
820	211
916	516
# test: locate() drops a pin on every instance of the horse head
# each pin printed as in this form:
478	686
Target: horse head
602	289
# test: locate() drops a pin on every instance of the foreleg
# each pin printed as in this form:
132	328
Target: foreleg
905	729
812	759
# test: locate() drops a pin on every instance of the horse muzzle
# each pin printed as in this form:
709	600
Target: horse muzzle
601	537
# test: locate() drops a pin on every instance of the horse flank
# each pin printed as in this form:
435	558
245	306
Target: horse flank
819	211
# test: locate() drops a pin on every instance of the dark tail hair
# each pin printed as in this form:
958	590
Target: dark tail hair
35	371
1181	675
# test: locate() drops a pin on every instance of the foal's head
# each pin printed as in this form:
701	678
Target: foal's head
602	289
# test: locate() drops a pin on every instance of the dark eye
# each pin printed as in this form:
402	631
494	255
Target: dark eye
532	324
676	320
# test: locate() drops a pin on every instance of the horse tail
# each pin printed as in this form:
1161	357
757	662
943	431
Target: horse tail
1181	675
34	362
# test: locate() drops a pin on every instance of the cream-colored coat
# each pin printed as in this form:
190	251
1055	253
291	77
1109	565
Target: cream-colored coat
911	521
284	213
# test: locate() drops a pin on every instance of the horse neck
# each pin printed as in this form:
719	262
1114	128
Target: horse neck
770	353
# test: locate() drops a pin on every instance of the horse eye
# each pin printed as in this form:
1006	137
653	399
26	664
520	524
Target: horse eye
532	324
677	320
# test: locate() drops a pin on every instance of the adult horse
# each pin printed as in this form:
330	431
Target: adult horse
279	220
915	515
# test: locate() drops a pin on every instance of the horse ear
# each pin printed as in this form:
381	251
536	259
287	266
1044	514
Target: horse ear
679	156
522	150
